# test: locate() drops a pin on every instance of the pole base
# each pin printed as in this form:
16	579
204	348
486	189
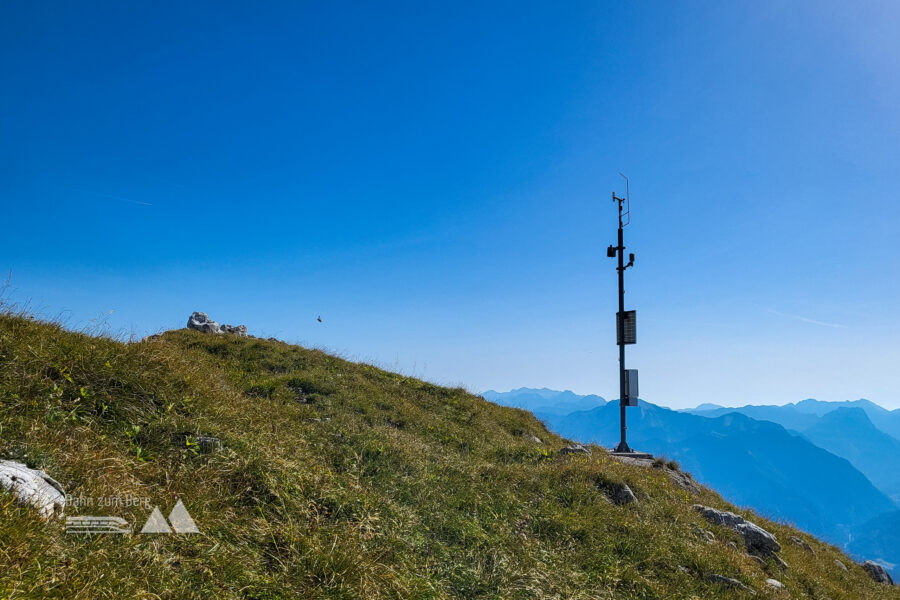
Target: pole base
623	447
632	454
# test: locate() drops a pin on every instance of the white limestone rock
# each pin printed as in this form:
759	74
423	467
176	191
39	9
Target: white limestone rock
32	487
757	539
201	322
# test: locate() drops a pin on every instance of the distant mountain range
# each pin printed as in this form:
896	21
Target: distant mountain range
805	414
859	431
543	401
831	468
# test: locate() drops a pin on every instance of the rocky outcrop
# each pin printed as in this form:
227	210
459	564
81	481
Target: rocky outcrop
201	322
682	479
575	449
718	517
877	572
32	487
757	539
240	330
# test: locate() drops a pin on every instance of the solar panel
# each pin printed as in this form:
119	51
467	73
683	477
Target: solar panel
627	333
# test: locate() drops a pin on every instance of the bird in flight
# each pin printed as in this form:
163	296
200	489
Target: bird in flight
319	318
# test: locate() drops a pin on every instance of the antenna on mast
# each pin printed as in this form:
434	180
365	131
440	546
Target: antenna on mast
627	212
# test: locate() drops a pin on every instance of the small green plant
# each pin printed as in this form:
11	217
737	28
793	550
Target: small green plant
140	453
32	457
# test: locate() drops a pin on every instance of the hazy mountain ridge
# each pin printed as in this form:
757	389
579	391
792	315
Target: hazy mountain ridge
858	430
848	432
545	401
806	413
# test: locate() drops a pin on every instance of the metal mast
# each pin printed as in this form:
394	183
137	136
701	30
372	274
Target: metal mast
625	321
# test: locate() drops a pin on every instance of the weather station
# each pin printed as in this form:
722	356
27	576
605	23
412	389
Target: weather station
626	325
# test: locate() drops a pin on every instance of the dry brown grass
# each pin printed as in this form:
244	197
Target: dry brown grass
408	490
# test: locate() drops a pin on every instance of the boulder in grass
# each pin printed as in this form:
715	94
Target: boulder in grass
877	572
32	487
719	517
622	494
757	539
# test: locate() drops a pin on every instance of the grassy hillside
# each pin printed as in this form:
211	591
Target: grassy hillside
339	480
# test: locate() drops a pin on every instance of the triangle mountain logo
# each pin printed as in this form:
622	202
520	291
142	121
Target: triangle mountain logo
156	523
179	518
181	521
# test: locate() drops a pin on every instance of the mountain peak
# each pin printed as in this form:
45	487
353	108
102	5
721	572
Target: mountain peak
707	406
846	415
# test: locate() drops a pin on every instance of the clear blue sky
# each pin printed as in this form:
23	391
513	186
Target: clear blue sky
434	181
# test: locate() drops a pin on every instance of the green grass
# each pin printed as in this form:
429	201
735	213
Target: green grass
338	480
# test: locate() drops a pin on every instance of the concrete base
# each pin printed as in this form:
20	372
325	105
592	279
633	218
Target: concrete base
633	454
